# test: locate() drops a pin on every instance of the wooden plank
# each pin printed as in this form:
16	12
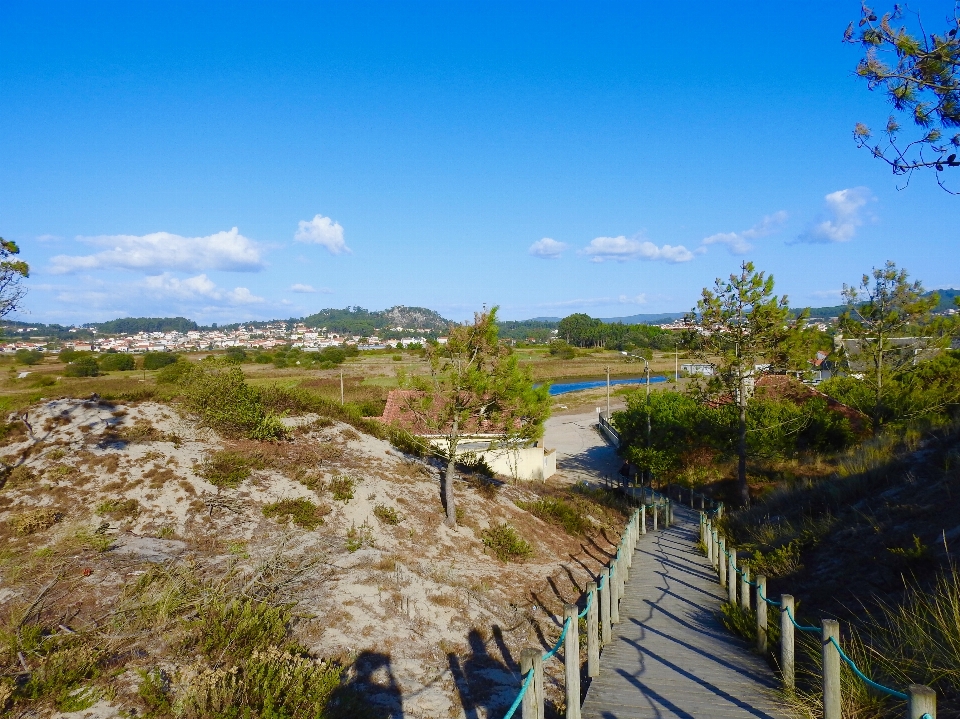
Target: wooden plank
670	655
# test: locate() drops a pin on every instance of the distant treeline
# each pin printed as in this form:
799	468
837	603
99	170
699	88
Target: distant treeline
582	330
946	303
133	325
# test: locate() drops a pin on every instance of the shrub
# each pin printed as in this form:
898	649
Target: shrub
28	357
561	350
235	355
387	515
341	487
83	367
225	469
36	520
358	537
556	511
158	360
303	512
174	373
20	476
506	543
119	508
117	362
225	402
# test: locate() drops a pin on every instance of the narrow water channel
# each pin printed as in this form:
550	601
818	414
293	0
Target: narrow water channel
564	387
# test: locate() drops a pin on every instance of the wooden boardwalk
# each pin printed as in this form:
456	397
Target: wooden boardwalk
670	655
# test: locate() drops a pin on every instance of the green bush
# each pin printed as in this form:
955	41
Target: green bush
117	362
158	360
387	515
225	402
556	511
235	355
28	357
561	350
303	512
174	373
506	543
341	487
225	469
83	367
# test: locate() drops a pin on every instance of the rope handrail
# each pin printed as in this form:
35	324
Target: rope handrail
556	647
768	601
523	690
864	677
586	609
801	627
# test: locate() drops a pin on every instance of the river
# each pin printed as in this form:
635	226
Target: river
564	387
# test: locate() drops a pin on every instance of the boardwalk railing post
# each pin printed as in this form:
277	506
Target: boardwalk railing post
615	590
571	661
831	670
922	700
723	562
708	541
732	578
538	683
761	614
643	518
745	588
716	550
528	706
605	607
593	636
654	511
786	642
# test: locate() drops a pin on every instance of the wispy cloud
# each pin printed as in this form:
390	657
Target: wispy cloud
622	249
738	243
322	231
229	251
547	249
309	289
166	286
640	299
841	218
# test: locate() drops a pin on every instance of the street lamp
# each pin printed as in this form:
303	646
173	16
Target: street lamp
647	369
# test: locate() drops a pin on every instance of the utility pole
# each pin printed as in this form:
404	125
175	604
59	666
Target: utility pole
676	362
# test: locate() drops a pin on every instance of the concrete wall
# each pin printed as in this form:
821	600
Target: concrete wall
526	463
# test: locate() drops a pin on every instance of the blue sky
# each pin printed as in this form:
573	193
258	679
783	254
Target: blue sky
247	161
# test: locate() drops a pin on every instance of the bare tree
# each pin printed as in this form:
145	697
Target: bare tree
12	273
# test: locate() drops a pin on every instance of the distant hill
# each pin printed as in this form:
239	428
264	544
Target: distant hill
356	320
653	319
946	303
133	325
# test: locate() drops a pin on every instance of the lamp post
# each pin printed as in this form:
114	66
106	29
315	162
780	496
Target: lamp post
647	401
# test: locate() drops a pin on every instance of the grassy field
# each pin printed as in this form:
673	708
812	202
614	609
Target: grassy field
367	378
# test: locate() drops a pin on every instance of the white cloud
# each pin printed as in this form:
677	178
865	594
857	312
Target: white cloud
622	249
192	288
737	242
640	299
322	231
547	249
843	217
309	289
229	251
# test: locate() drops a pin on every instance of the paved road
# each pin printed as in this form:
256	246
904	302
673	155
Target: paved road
670	655
582	453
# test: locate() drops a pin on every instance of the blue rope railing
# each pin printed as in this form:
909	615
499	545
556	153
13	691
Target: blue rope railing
523	690
556	647
864	677
586	609
811	629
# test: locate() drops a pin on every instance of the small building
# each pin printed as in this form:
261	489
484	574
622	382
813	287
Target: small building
691	369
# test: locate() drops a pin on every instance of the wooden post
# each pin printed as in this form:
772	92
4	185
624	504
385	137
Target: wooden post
761	614
538	684
571	661
605	607
732	578
654	509
716	551
745	588
723	562
593	637
708	541
528	706
668	513
614	591
643	518
701	501
786	642
923	700
831	670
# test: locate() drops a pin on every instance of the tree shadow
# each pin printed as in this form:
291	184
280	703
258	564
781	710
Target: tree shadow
372	691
